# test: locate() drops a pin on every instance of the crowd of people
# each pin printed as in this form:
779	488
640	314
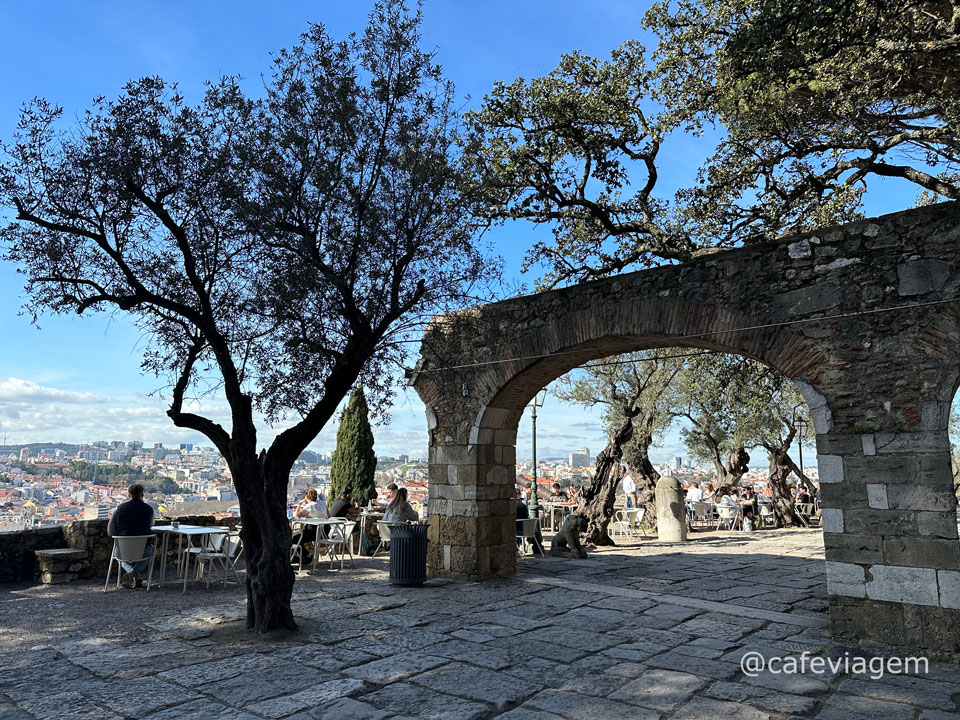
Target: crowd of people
395	507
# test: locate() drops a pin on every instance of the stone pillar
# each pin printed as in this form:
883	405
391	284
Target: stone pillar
472	511
671	513
890	537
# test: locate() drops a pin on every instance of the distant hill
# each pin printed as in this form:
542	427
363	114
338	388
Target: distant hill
36	447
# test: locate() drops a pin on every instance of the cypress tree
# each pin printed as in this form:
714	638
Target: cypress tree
354	461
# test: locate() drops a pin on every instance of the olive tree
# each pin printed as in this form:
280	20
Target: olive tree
276	247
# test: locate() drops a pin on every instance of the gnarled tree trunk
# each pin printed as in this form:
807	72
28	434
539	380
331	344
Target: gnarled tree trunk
780	488
266	540
642	471
596	501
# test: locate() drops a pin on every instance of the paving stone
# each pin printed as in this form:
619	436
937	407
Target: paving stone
500	689
69	705
424	703
140	696
701	626
324	657
527	645
573	706
673	660
394	668
661	690
672	612
200	710
938	715
636	652
599	684
793	683
582	640
278	678
306	699
349	709
905	689
525	714
625	669
615	603
213	670
393	641
758	697
844	707
493	658
701	708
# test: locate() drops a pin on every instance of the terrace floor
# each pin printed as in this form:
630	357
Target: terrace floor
641	631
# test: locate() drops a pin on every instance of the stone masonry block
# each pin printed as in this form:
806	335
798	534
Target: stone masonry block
934	415
467	474
853	548
438	474
889	469
922	552
937	524
869	445
903	584
497	475
846	579
452	474
832	520
831	468
481	436
949	583
914	442
877	496
881	522
922	497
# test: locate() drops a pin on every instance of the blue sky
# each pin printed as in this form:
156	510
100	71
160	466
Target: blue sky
78	379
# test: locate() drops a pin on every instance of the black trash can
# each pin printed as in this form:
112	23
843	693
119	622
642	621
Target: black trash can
408	554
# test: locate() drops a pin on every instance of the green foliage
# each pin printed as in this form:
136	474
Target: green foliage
119	476
810	102
817	99
354	462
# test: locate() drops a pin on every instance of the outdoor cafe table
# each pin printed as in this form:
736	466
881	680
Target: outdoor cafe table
565	507
317	523
187	532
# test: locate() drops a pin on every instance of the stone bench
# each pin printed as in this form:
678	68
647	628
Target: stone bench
60	565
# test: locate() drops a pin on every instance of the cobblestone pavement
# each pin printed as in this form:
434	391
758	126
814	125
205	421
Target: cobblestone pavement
644	631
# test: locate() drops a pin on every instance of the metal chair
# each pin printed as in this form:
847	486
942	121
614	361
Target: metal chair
340	537
805	513
526	528
699	512
224	549
621	523
728	515
767	515
383	528
130	549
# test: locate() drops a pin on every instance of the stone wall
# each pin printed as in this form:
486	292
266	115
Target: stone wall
18	561
863	317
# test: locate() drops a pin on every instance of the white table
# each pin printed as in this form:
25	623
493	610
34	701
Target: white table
189	532
565	507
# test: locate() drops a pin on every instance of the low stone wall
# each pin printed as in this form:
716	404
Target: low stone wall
18	559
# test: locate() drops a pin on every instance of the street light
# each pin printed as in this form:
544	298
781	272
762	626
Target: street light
535	402
800	424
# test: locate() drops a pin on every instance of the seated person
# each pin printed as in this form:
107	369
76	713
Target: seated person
134	517
523	513
399	510
391	494
558	495
694	493
311	506
803	496
750	506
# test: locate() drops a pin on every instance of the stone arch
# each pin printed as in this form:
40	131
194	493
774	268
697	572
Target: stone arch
863	317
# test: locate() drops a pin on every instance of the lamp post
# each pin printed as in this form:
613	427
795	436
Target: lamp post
535	402
800	424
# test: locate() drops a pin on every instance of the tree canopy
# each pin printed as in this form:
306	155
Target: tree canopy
810	103
274	249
